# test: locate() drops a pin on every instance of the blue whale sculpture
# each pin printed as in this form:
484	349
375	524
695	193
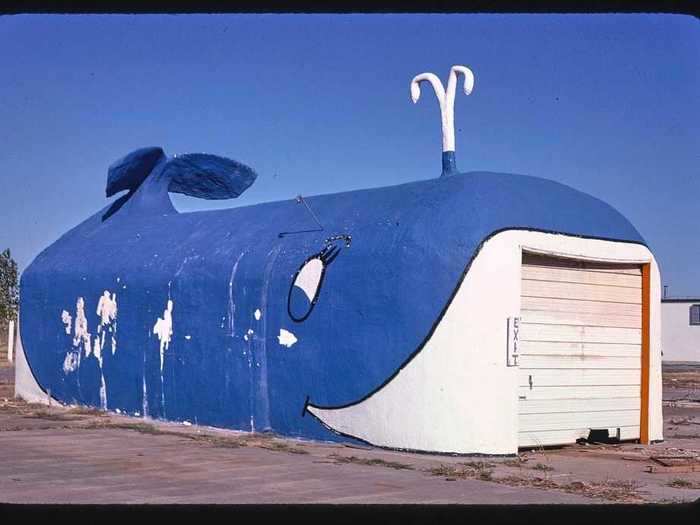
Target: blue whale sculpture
247	318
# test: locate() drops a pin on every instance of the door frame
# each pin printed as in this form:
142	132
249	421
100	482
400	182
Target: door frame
646	334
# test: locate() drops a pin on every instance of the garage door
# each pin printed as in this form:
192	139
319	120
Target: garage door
580	350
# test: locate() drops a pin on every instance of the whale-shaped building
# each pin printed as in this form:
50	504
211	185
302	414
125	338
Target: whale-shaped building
470	313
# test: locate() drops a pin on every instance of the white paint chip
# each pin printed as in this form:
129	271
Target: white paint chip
286	338
164	330
258	314
188	337
97	350
107	310
81	334
67	320
71	362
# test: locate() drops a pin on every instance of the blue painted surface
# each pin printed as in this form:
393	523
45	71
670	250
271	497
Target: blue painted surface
378	300
449	163
132	169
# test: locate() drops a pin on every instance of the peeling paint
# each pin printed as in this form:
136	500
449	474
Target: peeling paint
81	334
107	310
164	330
97	350
258	314
286	338
71	362
67	320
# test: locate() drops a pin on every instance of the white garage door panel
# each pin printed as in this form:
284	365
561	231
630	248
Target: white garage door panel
585	292
575	318
566	420
580	377
560	437
563	348
577	361
579	349
545	273
576	392
551	304
584	334
550	406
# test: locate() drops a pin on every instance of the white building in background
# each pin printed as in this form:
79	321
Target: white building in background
680	336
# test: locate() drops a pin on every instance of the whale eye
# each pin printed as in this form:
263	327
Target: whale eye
305	288
308	279
306	285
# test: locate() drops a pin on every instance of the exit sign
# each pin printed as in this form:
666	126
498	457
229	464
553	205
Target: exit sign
513	340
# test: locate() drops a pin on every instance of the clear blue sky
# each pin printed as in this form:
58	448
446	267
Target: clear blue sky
609	104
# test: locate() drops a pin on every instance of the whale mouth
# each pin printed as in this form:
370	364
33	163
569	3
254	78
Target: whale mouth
335	418
319	412
305	289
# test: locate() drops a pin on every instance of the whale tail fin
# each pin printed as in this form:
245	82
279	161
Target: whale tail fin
131	170
207	176
195	174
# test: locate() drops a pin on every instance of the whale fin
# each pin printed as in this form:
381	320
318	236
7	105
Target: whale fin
132	169
207	176
196	174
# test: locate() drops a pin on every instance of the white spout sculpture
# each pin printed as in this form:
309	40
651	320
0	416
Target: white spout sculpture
446	99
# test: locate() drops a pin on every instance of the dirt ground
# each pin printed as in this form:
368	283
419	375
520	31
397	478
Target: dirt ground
78	455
